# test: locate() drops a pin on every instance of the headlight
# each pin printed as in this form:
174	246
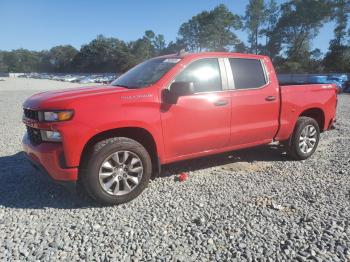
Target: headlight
54	116
50	136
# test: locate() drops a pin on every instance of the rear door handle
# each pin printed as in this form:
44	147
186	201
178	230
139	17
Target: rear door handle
221	103
270	98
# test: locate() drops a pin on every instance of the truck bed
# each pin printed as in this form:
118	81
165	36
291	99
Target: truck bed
296	98
298	84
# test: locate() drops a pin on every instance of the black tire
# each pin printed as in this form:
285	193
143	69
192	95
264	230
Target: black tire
293	148
89	175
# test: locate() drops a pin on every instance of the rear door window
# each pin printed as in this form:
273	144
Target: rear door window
247	73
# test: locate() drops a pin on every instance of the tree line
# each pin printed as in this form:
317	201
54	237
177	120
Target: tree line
284	32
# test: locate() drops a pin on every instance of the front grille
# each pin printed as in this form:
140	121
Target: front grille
31	114
34	135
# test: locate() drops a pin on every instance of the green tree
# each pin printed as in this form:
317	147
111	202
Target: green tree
298	25
21	60
142	48
103	54
254	20
173	47
61	58
220	35
341	15
272	14
3	65
192	33
211	30
288	30
157	41
337	58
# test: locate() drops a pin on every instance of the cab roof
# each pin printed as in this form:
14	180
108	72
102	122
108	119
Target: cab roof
212	54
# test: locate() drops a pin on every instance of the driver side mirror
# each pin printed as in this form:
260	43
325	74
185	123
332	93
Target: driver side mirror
176	90
181	88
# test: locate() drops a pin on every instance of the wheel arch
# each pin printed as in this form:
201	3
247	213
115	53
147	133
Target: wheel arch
141	135
317	114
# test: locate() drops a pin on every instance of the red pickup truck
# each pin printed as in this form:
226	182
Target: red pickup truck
111	139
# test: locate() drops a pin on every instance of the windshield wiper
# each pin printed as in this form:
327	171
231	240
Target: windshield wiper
122	85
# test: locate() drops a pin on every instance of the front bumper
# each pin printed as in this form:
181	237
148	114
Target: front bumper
49	158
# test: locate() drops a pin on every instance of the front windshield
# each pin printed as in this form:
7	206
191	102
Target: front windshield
146	73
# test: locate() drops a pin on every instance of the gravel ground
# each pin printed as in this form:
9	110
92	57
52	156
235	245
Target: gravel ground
249	205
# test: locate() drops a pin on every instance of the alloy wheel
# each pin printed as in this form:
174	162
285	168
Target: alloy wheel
120	173
308	139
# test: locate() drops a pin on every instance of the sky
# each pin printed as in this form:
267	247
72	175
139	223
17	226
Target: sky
42	24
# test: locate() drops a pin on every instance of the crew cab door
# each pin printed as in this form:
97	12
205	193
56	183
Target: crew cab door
200	121
255	101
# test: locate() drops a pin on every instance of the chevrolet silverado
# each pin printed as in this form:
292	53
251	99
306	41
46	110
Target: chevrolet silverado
110	139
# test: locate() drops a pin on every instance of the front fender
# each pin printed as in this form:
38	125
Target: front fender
74	140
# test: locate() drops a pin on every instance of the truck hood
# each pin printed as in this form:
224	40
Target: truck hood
61	98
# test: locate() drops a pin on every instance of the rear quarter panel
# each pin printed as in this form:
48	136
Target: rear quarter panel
295	99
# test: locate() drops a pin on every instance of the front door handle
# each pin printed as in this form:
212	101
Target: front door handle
221	103
270	98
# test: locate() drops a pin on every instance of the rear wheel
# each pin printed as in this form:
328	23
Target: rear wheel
304	139
116	171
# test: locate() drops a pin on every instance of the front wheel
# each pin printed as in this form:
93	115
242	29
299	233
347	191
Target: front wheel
116	171
304	139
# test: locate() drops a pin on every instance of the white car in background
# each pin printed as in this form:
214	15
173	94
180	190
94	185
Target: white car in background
87	80
70	78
